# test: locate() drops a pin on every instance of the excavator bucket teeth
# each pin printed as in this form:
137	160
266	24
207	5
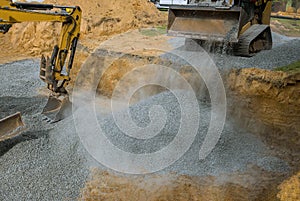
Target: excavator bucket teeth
204	23
57	108
11	126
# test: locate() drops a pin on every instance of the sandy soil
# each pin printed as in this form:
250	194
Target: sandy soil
289	189
271	103
109	186
286	27
98	23
271	110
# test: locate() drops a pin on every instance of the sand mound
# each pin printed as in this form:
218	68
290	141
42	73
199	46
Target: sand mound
106	186
101	19
104	17
275	95
268	105
289	189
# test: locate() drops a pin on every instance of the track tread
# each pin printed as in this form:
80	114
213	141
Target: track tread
243	46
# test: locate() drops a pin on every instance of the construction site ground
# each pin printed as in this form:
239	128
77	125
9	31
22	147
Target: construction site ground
256	158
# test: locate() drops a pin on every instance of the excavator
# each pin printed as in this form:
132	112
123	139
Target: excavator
54	70
242	25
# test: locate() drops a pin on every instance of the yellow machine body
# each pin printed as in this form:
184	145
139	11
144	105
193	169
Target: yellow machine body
52	68
225	23
204	23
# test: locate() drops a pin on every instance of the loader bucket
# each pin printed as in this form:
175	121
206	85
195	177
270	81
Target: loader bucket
11	126
204	23
57	108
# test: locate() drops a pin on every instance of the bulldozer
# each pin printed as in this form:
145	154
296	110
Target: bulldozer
54	70
242	25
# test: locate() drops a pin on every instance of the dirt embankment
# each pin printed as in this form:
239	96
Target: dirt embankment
289	189
270	105
108	186
100	20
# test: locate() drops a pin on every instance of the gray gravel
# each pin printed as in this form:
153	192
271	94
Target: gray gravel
47	168
235	151
285	51
20	79
48	162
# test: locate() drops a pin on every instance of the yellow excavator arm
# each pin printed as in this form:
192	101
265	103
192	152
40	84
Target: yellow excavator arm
55	71
69	16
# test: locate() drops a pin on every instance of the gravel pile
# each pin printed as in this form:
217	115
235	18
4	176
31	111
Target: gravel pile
235	151
285	51
48	162
20	79
50	167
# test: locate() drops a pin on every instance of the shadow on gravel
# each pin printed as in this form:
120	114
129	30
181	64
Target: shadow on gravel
26	105
29	106
6	145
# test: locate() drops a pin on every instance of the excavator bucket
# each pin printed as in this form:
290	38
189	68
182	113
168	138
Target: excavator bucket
205	23
57	108
11	126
